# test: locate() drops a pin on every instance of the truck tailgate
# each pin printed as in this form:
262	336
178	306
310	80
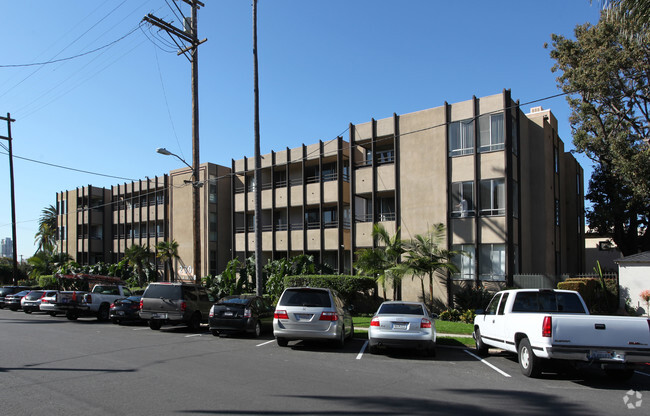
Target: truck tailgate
601	331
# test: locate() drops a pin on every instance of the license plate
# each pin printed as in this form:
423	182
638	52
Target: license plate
227	314
400	325
303	317
597	355
120	313
159	316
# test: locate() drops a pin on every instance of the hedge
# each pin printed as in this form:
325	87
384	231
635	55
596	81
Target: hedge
348	286
597	300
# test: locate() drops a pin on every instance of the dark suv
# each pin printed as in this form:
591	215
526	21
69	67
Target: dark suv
175	303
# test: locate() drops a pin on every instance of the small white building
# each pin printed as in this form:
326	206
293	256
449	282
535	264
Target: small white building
634	277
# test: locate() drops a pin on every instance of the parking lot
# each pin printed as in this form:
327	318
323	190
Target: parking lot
53	366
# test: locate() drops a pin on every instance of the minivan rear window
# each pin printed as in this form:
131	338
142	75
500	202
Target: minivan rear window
306	297
163	291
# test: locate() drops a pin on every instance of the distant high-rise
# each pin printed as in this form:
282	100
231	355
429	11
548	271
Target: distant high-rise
6	248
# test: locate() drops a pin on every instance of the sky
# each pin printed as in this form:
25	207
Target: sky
322	65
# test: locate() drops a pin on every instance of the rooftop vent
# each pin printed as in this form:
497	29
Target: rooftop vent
536	109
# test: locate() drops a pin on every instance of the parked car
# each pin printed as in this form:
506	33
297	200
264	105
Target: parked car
126	310
13	301
94	303
241	313
32	302
165	303
305	313
9	290
398	324
48	303
540	325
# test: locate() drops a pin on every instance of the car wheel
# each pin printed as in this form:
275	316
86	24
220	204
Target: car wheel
195	322
529	363
372	349
71	315
154	324
340	343
27	312
282	342
103	313
258	329
215	332
351	331
624	374
481	348
115	321
52	313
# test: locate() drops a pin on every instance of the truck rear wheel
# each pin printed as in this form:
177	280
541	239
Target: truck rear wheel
154	324
529	363
103	313
71	315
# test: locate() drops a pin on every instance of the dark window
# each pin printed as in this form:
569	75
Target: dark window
547	302
400	309
162	291
492	307
502	305
306	297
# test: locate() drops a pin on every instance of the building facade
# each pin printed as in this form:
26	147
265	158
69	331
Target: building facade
98	224
498	179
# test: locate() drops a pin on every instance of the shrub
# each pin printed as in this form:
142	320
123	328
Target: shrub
468	316
598	301
47	282
452	315
472	298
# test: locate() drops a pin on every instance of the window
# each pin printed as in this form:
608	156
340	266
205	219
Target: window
515	136
492	262
311	219
280	178
462	199
557	212
492	307
386	208
329	218
250	183
491	133
502	305
213	227
213	194
547	301
464	262
493	198
461	138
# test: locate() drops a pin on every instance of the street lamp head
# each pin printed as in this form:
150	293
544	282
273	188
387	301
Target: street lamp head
163	151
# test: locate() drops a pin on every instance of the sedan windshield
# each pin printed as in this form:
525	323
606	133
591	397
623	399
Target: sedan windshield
400	309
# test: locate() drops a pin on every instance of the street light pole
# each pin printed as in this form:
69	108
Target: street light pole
9	120
196	219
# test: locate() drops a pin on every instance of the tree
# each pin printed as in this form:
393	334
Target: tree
45	237
167	252
44	263
383	262
635	12
607	75
425	257
139	257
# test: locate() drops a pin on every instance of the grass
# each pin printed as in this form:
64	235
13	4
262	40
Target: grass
444	327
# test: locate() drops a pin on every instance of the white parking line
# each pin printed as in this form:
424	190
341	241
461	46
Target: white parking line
642	373
264	343
503	373
363	348
193	335
140	329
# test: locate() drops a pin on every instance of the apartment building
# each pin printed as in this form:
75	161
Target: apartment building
6	248
98	224
497	178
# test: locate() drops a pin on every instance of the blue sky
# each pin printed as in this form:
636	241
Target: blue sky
322	65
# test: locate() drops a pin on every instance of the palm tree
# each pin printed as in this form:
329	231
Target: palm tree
138	257
425	257
45	237
382	262
167	253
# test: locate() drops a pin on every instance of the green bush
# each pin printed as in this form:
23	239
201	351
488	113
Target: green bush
48	282
468	316
348	286
452	315
598	301
472	298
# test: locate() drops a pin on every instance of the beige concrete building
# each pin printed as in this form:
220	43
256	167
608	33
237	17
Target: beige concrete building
497	178
97	224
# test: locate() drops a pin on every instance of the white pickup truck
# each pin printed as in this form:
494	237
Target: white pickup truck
94	303
541	324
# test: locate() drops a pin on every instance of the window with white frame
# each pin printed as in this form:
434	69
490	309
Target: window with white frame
465	262
492	262
461	138
491	133
493	197
462	199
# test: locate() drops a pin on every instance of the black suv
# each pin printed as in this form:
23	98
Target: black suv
175	303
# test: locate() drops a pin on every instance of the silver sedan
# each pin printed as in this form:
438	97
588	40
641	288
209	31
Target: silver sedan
398	324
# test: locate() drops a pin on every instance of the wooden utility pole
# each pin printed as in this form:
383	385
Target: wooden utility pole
258	165
188	41
9	120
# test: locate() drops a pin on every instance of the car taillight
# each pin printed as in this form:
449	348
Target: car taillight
374	322
547	327
280	315
425	323
135	306
141	302
183	306
212	312
88	298
112	305
247	313
328	316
